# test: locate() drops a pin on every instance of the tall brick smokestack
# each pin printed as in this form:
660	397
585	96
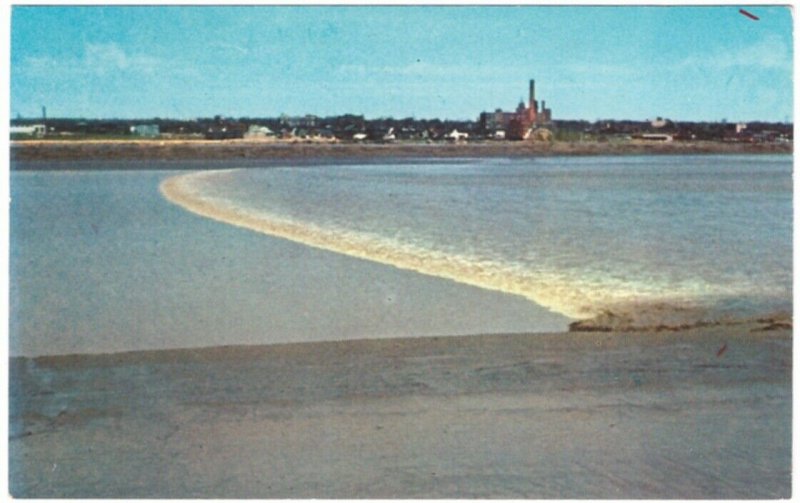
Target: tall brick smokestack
532	94
533	107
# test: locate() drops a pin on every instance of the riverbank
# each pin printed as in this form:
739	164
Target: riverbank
55	150
702	413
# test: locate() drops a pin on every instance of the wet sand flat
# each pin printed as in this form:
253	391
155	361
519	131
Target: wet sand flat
44	150
701	413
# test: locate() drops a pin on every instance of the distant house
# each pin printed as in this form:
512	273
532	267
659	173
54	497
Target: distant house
455	135
659	123
224	131
145	130
35	130
255	131
306	121
766	136
326	134
389	136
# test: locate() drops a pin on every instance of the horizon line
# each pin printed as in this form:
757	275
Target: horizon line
364	117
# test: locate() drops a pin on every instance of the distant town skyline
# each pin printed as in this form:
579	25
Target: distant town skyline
699	63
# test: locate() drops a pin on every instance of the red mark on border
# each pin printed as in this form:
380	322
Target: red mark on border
751	16
722	349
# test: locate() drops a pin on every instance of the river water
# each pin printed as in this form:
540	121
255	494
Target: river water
576	235
104	261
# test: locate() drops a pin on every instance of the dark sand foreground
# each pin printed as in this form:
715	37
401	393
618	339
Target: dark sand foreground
702	413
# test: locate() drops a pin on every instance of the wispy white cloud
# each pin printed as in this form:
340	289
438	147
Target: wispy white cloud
353	70
230	47
106	58
590	69
770	52
98	60
424	69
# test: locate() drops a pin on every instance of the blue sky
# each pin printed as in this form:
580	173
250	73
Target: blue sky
685	63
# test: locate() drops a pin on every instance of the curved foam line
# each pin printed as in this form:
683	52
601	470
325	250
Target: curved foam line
551	290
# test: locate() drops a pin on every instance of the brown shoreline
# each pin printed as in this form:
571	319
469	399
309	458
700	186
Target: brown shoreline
702	413
54	150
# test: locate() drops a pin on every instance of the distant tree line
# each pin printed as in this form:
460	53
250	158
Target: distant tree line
347	127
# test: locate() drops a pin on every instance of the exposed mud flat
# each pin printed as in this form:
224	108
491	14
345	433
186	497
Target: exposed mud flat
243	149
701	413
662	317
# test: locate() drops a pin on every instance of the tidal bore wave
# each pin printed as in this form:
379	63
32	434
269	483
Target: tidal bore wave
578	298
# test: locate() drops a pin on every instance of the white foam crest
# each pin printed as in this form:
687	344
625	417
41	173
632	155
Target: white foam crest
573	297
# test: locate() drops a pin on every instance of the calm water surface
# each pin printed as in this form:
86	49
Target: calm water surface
101	262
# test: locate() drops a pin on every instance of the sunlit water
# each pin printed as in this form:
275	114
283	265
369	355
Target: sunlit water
576	235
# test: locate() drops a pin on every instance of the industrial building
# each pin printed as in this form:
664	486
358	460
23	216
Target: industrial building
36	130
146	130
517	125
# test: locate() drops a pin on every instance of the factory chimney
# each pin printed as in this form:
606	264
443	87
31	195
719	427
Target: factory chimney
533	107
532	94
